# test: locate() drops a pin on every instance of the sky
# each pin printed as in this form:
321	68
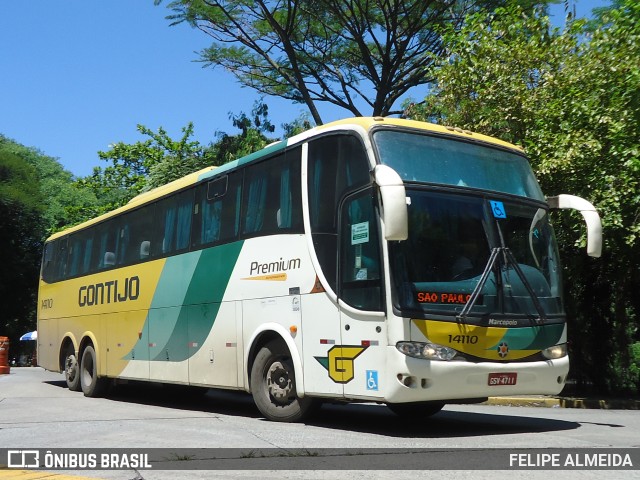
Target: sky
79	75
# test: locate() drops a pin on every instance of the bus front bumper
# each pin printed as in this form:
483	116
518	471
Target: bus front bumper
414	380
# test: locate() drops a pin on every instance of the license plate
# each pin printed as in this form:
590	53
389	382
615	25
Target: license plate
496	379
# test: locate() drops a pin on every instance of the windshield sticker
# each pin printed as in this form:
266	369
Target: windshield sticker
360	233
498	209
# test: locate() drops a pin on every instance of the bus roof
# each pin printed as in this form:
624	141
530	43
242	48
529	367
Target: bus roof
365	123
369	122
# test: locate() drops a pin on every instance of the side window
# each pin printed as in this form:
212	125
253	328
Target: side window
173	224
47	262
337	164
60	252
104	254
289	214
80	249
271	197
54	260
217	211
134	237
360	261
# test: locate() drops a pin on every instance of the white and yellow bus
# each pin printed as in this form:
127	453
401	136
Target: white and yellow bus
369	259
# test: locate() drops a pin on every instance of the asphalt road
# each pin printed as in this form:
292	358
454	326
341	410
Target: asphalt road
38	412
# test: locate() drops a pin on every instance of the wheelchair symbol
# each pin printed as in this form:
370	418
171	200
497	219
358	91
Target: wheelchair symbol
498	209
372	380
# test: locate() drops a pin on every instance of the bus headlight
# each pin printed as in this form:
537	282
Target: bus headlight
555	352
428	351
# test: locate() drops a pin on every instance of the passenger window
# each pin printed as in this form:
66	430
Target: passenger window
173	220
80	247
135	236
55	260
218	211
272	198
104	255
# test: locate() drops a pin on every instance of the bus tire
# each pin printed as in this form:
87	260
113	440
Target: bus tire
92	385
72	370
413	410
273	385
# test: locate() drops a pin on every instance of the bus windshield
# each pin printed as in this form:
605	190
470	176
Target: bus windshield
451	238
427	158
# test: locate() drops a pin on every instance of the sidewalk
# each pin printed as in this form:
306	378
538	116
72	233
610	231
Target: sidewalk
564	402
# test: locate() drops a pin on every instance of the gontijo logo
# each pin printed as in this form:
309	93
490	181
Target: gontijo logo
339	362
109	292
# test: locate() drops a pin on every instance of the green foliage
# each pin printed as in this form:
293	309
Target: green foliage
62	198
634	369
138	167
572	99
22	229
159	159
332	51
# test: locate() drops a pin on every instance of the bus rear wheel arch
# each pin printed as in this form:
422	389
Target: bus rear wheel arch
273	385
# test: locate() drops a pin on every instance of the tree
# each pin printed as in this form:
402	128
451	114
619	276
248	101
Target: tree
22	229
63	199
140	166
343	53
572	99
150	163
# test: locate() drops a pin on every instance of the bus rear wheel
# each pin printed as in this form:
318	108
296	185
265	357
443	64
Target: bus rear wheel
415	409
92	385
72	370
273	385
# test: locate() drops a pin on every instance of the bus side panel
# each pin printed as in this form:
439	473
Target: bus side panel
213	363
168	349
48	344
365	366
121	328
321	327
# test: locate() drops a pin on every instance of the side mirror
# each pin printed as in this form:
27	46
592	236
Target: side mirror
394	203
591	218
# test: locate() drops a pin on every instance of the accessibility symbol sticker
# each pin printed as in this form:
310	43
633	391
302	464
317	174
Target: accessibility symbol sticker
497	208
372	380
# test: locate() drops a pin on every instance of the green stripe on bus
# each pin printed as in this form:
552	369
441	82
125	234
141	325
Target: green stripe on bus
532	338
191	287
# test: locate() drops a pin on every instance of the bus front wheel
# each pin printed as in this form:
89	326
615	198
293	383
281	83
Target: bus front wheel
92	385
273	385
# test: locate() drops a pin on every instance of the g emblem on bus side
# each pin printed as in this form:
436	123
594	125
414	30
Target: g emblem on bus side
339	362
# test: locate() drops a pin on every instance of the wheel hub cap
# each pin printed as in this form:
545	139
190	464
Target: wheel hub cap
279	383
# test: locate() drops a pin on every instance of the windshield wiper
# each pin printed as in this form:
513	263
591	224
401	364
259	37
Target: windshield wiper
509	259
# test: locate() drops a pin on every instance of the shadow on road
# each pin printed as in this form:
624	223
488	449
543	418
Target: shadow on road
365	418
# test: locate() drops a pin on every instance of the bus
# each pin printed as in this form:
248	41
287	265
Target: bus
369	259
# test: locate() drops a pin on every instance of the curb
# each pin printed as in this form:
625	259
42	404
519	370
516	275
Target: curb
564	402
37	475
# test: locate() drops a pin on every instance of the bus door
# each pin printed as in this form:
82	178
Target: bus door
363	329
